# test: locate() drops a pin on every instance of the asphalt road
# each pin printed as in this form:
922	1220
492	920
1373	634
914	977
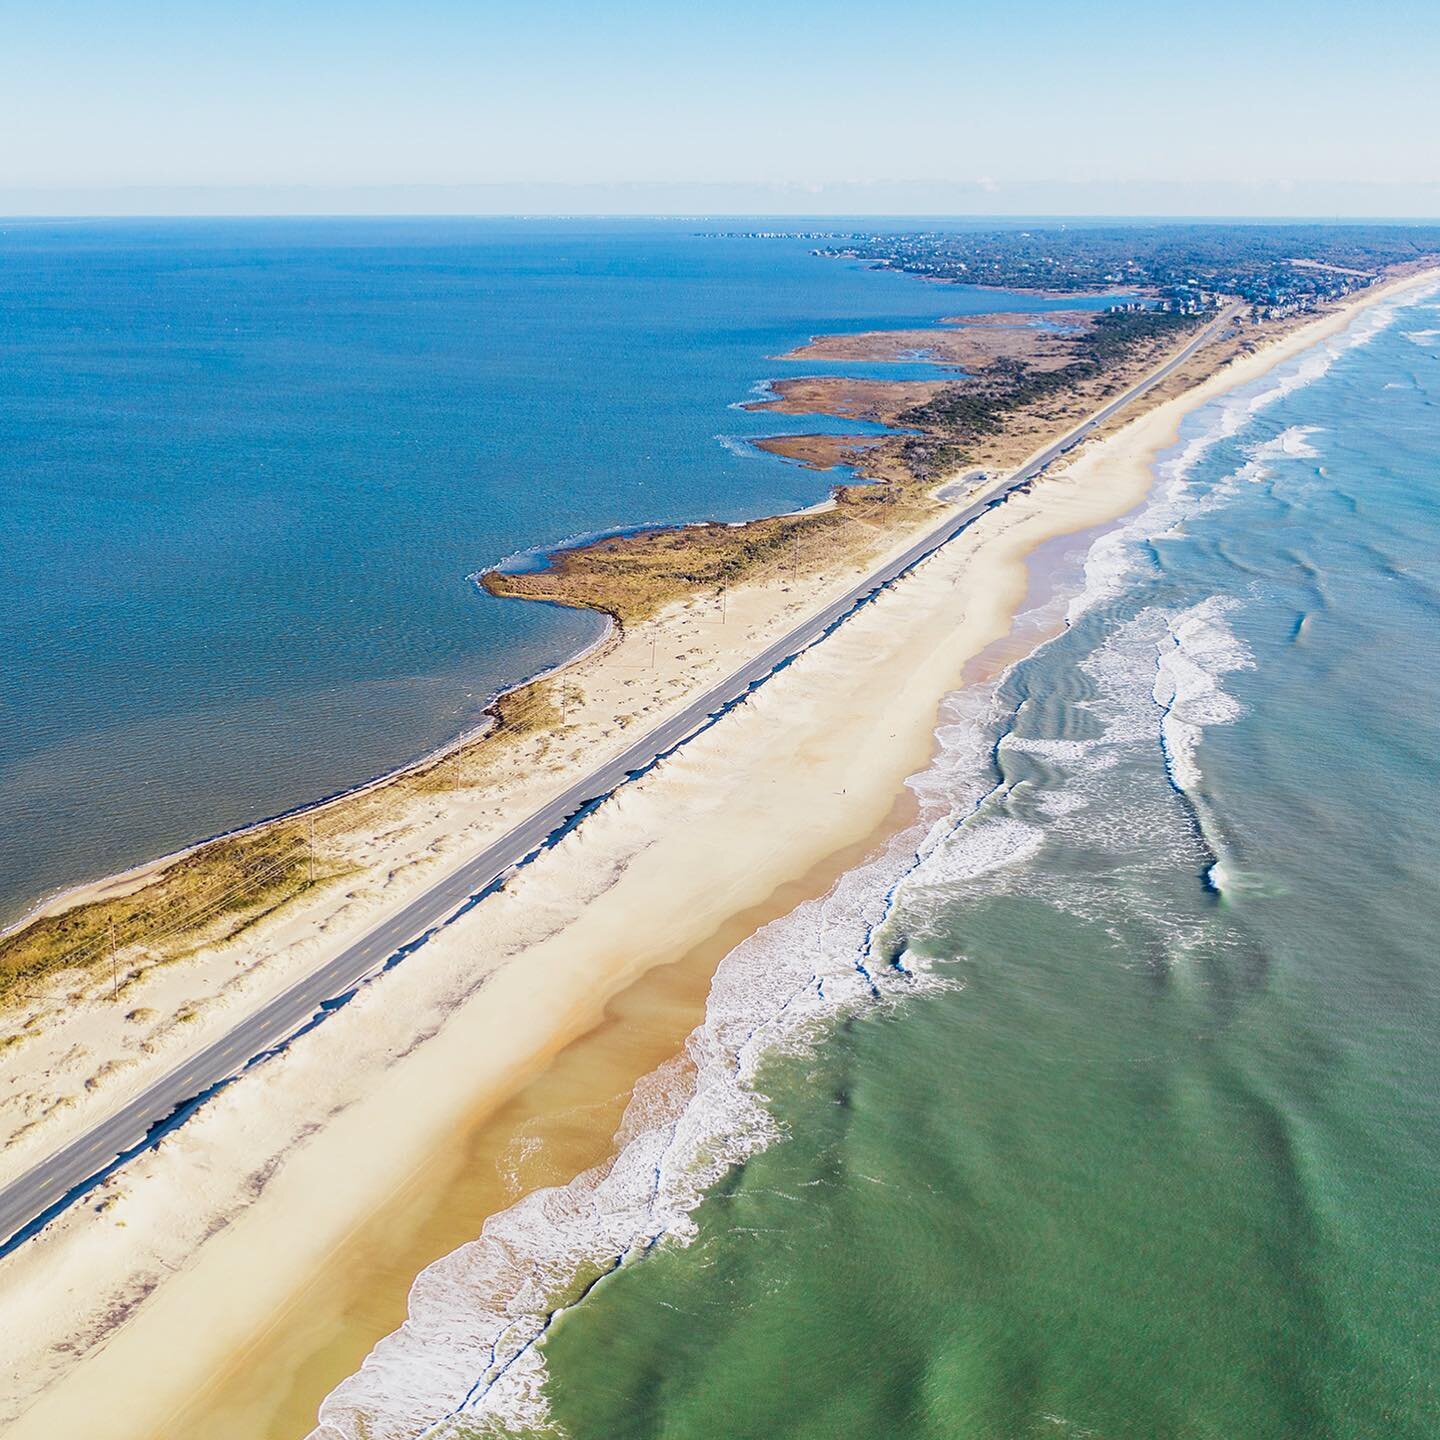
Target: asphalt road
36	1196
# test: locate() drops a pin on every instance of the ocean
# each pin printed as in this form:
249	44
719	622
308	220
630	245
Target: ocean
1104	1102
247	468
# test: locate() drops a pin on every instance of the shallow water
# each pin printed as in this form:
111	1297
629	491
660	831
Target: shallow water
246	468
1104	1101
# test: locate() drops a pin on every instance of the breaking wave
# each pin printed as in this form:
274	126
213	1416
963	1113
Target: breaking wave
1116	561
1199	649
1292	443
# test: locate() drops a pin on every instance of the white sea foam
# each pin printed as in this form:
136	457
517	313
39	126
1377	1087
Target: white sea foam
1092	793
1423	337
1078	790
976	850
1119	558
759	390
1292	443
739	445
1199	649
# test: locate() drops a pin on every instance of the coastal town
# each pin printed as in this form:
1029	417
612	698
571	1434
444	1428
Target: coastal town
1277	270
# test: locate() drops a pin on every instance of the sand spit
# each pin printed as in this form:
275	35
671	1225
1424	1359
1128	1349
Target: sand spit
1040	340
125	1306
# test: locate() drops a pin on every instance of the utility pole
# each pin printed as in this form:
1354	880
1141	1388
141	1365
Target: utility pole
114	966
310	822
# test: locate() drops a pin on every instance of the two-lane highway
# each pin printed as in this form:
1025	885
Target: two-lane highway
31	1199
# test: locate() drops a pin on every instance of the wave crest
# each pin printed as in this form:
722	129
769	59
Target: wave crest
1198	651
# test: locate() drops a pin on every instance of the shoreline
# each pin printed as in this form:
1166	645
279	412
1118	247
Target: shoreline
540	1116
123	882
595	951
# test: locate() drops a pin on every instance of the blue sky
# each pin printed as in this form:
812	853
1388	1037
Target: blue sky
984	102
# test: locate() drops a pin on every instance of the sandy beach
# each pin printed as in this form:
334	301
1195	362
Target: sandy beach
500	1056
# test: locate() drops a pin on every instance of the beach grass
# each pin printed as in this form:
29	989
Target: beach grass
206	895
634	577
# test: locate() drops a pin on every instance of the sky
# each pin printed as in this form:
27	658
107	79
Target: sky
787	106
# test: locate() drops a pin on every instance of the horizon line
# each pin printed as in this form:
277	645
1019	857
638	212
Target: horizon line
789	217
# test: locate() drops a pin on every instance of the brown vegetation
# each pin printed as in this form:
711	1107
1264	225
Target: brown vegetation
819	452
882	401
632	577
972	343
207	895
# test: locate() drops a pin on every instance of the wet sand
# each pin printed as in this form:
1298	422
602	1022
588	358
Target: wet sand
560	1123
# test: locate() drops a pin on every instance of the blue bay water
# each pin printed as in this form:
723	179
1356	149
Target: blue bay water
1112	1107
246	468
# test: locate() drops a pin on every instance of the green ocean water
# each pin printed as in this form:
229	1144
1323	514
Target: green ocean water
1163	1160
1104	1104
